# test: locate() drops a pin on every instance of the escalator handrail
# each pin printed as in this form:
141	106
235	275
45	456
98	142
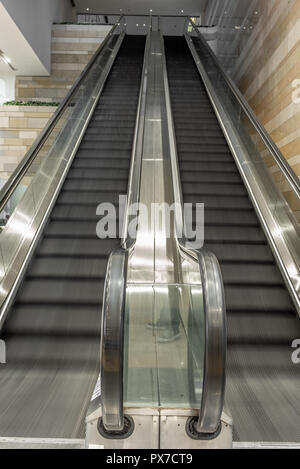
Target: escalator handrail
285	168
214	370
112	341
12	183
134	179
214	376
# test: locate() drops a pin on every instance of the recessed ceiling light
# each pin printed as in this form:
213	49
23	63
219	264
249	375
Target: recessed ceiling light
237	27
137	25
151	10
182	11
87	9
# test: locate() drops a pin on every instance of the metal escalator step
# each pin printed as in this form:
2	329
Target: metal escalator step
230	217
119	186
261	328
204	188
257	298
125	114
200	156
51	291
101	173
87	248
54	320
72	228
113	145
101	163
233	234
201	140
198	134
208	165
67	268
75	197
182	125
105	124
209	176
241	253
100	153
250	274
262	393
74	353
202	147
104	128
220	201
79	213
105	137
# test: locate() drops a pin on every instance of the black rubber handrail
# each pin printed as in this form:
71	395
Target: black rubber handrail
14	180
214	372
112	341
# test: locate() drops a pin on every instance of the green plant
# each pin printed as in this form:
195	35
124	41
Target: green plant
29	103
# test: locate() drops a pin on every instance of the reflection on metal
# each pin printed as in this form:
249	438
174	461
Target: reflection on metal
59	143
280	225
137	150
112	338
215	345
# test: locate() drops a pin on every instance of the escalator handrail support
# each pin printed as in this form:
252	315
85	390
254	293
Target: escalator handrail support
12	183
214	375
285	168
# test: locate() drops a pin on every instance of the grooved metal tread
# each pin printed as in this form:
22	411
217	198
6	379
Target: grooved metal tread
262	389
52	331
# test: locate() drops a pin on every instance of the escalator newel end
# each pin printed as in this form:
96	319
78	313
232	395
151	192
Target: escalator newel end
126	432
191	430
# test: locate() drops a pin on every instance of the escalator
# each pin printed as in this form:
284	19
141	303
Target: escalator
262	391
52	331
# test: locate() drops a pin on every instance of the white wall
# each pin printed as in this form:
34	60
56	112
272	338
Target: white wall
7	88
34	19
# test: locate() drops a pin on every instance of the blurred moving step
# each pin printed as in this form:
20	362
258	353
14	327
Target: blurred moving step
262	382
52	331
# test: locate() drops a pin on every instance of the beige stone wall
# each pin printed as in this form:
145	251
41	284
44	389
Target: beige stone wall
72	48
267	73
19	127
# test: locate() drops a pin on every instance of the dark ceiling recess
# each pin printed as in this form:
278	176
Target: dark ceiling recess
73	3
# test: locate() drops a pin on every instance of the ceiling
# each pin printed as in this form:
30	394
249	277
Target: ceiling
142	7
